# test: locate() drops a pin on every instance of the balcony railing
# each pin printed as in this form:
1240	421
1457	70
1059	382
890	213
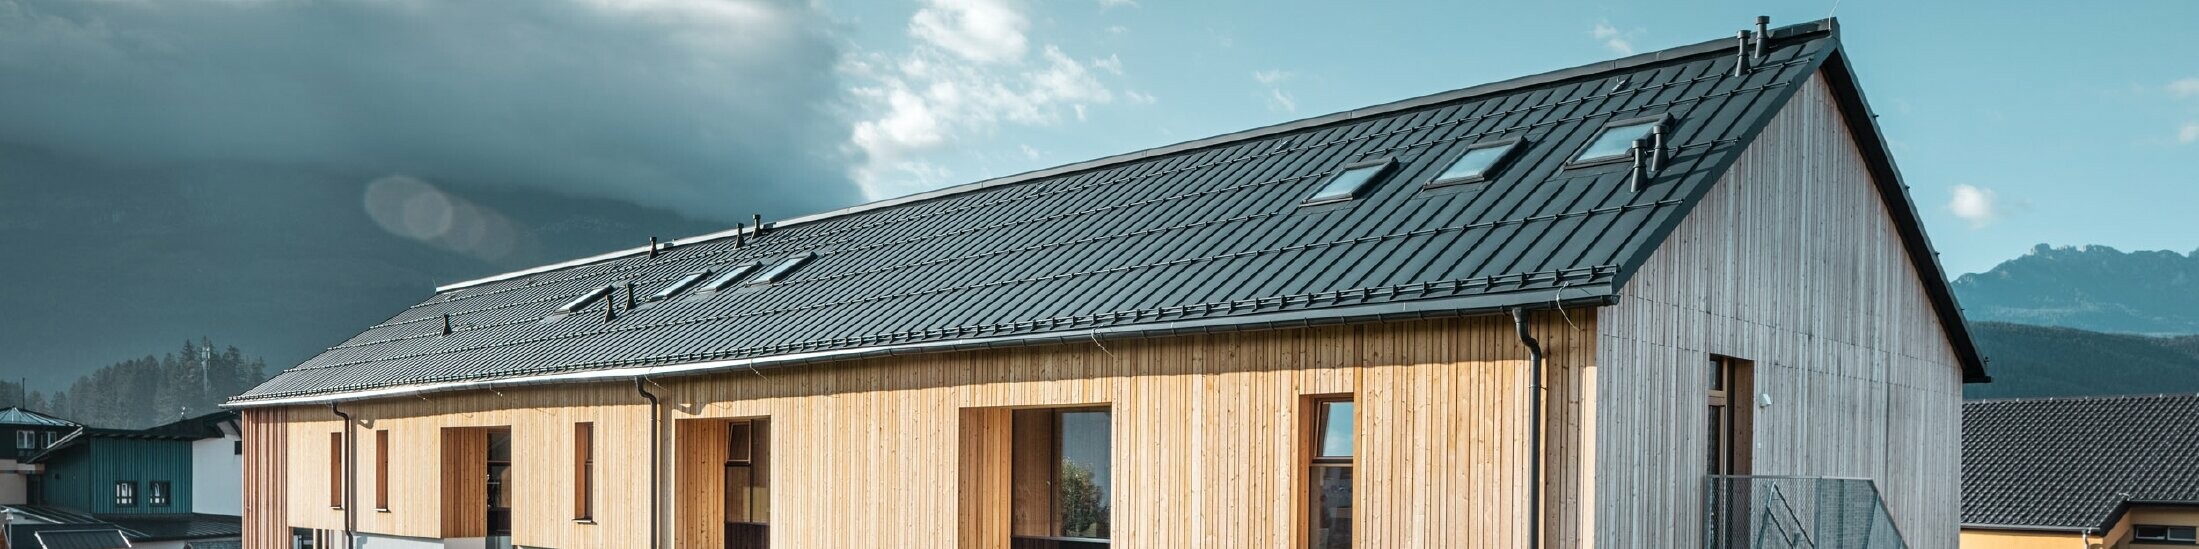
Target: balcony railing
1767	512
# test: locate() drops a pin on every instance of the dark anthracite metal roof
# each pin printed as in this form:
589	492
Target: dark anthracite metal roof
2071	463
1203	235
14	415
80	539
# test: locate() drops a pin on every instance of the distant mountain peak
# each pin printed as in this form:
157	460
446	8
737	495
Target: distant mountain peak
2091	287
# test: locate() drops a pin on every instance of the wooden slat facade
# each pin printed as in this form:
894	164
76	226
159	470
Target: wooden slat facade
866	453
1792	262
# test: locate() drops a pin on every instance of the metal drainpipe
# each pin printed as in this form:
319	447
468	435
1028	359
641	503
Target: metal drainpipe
350	478
1534	431
656	440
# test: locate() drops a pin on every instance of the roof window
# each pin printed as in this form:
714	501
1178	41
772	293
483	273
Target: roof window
1616	140
1480	162
781	269
585	300
731	276
1350	181
680	285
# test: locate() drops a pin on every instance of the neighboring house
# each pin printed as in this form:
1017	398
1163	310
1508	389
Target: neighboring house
32	432
36	526
2084	472
1630	304
145	483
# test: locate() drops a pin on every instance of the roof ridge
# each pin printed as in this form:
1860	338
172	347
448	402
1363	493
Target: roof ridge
2079	398
1502	86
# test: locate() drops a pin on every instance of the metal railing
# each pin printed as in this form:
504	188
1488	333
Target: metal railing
1774	512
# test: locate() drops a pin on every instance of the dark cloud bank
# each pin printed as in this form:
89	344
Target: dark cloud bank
280	173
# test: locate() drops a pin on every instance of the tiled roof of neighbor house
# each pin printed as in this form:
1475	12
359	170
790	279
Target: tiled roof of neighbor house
2072	463
16	415
80	539
1204	235
139	527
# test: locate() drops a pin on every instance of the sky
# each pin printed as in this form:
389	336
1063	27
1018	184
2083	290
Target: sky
278	173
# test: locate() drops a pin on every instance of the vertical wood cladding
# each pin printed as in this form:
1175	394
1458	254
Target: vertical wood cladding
1792	262
911	452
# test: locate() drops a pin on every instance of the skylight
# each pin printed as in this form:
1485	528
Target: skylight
680	285
1481	161
781	269
584	300
731	276
1348	183
1616	139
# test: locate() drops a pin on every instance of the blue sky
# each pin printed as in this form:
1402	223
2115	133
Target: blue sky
2015	123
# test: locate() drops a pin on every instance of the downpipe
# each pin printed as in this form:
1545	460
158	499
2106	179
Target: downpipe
1534	431
350	458
656	442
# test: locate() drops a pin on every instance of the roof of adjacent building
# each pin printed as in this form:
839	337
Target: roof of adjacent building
1204	235
17	415
189	429
137	527
80	539
2076	463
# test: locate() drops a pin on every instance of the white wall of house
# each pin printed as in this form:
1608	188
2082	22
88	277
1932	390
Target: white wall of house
217	476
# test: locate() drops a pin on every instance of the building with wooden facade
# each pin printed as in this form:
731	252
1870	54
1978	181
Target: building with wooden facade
2109	472
1672	300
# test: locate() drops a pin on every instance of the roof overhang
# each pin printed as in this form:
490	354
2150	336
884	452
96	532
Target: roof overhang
1573	297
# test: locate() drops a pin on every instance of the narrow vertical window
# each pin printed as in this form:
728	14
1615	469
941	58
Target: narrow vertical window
1329	472
336	470
156	493
381	470
126	494
747	483
584	471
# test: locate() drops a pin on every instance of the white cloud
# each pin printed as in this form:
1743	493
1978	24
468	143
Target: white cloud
1977	205
985	31
964	77
1612	39
1271	76
1278	99
2189	133
2188	87
1028	151
1281	100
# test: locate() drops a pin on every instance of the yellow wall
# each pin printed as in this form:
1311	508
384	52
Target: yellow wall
2007	539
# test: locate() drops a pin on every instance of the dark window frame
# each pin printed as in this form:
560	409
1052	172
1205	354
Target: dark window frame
125	493
381	470
336	470
1512	147
1383	168
1314	463
159	493
26	439
584	472
1660	120
2167	534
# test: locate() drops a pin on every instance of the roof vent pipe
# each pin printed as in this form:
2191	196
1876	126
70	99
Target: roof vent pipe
652	246
1656	148
740	235
1763	34
630	296
610	307
446	323
1634	173
759	219
1742	67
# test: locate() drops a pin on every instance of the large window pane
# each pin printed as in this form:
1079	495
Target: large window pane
1331	520
1081	494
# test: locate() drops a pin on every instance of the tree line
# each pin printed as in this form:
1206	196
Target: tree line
148	391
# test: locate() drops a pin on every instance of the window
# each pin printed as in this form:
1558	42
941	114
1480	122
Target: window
678	286
584	300
381	470
747	483
1616	140
126	494
336	470
1350	181
584	471
1478	163
1061	470
156	493
49	440
2180	535
731	276
1728	422
239	449
26	440
781	269
1328	474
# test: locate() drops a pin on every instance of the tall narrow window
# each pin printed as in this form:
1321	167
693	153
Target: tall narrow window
336	470
1328	472
1060	472
126	494
584	471
381	470
1726	451
747	484
156	493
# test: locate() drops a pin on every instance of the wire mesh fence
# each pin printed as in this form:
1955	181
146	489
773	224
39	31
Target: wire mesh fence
1765	512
